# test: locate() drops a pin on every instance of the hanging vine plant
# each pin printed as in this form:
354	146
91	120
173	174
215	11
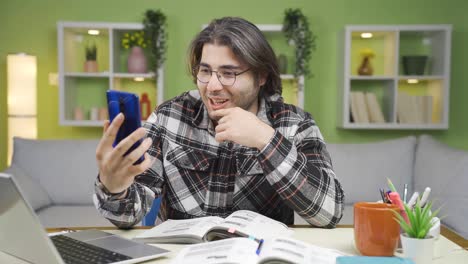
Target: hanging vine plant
155	29
297	32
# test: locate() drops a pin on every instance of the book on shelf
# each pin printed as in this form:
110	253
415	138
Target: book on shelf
242	223
374	109
359	108
414	109
248	251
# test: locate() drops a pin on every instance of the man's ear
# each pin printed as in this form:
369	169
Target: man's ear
262	79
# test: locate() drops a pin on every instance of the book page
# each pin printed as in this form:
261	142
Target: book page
295	251
181	231
232	250
247	223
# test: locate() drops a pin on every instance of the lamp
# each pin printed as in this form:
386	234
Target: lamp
21	93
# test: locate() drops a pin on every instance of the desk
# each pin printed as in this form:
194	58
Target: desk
341	238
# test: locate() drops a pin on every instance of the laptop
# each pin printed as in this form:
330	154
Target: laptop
23	236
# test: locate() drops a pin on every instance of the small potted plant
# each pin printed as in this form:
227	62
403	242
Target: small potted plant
90	64
416	241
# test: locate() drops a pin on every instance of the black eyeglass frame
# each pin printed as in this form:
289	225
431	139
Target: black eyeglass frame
196	69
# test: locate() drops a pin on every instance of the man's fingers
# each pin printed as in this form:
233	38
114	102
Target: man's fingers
133	156
118	152
221	137
106	126
142	167
111	132
221	112
221	127
100	149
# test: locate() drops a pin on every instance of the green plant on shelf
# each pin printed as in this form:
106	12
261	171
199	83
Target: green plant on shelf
154	23
132	39
91	52
297	32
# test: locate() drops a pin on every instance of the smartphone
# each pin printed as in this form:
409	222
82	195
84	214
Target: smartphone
129	105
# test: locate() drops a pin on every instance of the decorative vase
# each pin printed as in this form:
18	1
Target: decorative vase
78	113
136	61
145	106
414	64
366	67
419	250
90	66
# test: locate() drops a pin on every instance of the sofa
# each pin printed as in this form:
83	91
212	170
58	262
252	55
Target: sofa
57	178
419	162
58	175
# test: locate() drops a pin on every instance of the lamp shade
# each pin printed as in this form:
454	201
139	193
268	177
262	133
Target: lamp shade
21	74
21	93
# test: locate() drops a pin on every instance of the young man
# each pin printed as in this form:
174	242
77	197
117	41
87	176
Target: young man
232	144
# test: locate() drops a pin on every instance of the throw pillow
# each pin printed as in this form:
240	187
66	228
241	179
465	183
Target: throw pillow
364	168
445	171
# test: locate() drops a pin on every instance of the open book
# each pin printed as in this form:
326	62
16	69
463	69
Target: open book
241	223
245	250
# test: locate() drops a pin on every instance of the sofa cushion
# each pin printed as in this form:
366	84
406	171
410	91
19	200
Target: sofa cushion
364	168
71	216
65	168
445	171
33	191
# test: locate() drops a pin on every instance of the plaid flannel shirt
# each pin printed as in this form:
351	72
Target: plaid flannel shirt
197	176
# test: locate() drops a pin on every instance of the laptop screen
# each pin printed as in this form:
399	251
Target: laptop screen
22	235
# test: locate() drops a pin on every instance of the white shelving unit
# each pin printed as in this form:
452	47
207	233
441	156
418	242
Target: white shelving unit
277	28
78	88
407	101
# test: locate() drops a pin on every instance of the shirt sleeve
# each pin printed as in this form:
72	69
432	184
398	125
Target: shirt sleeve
127	212
302	173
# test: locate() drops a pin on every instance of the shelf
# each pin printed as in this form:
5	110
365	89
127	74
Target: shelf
83	93
87	74
84	123
420	77
134	75
375	78
394	126
410	96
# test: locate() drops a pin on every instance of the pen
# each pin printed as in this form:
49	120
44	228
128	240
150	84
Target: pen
412	200
424	197
405	193
260	244
382	193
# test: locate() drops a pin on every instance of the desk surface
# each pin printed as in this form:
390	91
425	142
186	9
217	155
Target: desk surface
342	238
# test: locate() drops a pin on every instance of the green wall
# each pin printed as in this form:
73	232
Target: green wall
30	26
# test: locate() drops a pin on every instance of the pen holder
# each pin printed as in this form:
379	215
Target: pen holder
376	232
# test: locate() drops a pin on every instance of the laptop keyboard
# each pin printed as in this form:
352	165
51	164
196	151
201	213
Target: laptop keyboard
74	251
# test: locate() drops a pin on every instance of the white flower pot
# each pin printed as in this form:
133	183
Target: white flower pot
420	251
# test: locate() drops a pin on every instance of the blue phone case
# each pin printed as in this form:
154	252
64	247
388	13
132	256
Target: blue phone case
129	105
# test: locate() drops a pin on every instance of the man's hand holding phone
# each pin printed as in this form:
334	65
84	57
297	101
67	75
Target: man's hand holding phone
117	170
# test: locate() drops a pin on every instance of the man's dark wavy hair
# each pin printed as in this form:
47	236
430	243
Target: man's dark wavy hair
248	44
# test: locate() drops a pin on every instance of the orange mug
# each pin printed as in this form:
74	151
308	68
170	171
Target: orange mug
376	232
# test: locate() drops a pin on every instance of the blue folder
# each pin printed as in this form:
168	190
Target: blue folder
372	260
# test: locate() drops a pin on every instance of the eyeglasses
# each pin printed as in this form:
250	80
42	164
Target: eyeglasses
225	77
